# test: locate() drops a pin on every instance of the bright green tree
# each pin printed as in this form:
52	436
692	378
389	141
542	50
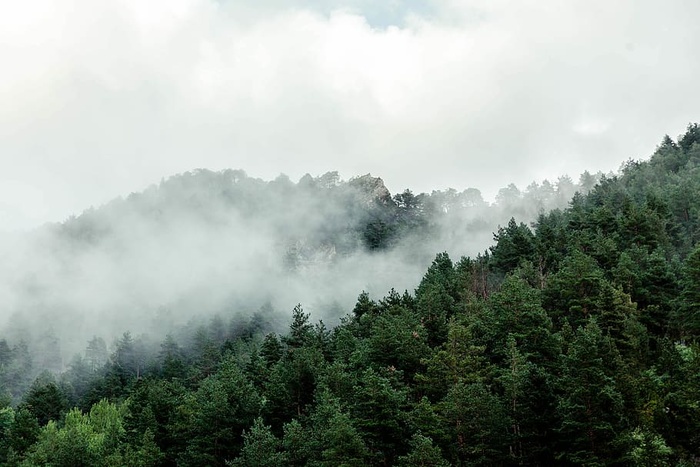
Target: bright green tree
423	454
261	448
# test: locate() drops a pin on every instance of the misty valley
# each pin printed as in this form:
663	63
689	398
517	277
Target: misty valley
220	319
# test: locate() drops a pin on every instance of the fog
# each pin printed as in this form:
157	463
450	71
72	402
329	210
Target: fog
208	243
104	98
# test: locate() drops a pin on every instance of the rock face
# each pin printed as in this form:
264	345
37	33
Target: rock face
301	255
372	188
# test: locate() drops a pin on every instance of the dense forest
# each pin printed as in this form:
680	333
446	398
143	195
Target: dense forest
572	340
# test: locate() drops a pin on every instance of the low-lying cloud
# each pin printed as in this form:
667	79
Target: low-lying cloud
206	243
105	98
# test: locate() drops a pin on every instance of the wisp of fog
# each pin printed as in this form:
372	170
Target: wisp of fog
209	243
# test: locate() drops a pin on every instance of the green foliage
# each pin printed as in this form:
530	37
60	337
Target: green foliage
378	405
45	400
436	298
518	314
423	454
478	424
514	244
260	448
681	393
20	432
271	350
292	382
336	436
213	418
171	359
299	330
398	340
649	449
590	405
329	438
688	317
459	360
155	407
83	440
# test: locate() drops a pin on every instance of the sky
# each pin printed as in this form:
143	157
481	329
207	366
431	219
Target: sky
100	99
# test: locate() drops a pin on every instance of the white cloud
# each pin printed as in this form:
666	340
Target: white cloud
103	98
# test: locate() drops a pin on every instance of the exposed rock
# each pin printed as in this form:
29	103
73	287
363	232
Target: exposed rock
372	187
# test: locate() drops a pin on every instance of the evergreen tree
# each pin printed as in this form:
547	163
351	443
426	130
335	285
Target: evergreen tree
94	439
45	400
573	293
398	340
337	439
514	244
299	330
260	448
291	385
423	454
518	313
590	405
378	411
171	359
216	414
271	350
688	318
22	433
479	425
458	360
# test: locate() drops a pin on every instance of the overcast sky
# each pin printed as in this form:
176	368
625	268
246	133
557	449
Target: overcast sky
102	98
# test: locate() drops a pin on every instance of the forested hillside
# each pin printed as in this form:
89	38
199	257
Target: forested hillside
573	340
205	243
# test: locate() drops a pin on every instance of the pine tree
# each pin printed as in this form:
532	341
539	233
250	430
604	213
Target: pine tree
688	319
423	454
514	244
590	405
45	400
479	425
260	448
299	330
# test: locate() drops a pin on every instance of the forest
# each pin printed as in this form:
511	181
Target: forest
571	340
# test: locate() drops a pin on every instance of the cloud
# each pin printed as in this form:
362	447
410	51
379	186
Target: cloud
104	98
